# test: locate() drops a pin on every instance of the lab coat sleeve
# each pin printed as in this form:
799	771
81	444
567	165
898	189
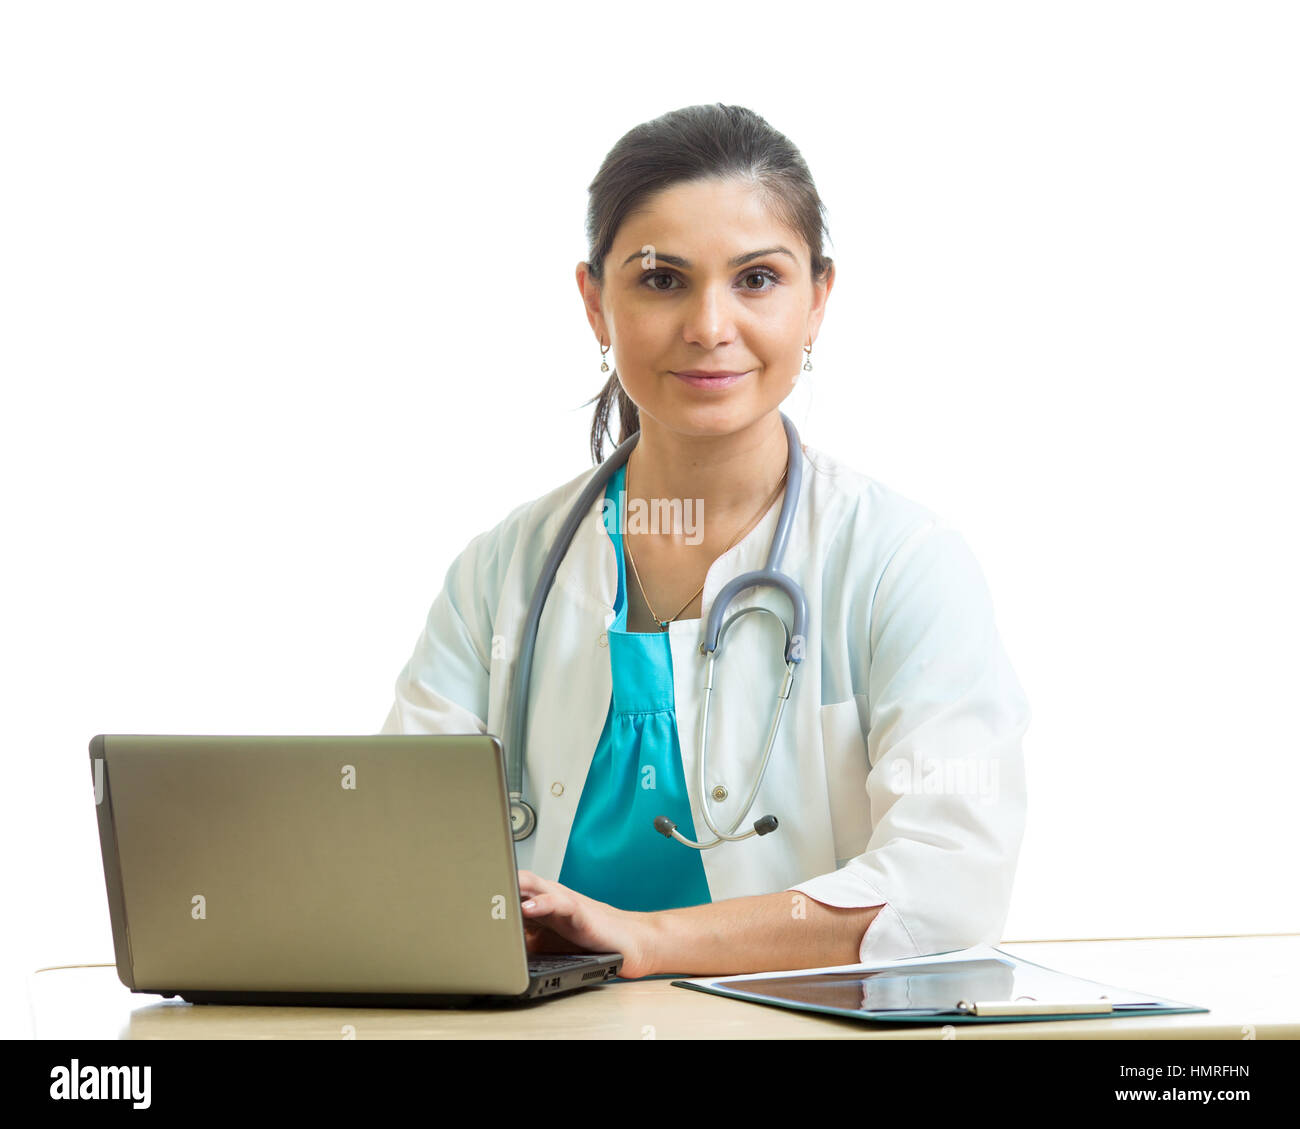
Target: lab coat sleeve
944	716
443	688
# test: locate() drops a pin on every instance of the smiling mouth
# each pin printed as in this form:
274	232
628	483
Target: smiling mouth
711	381
701	374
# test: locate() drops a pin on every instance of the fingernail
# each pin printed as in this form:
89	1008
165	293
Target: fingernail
529	904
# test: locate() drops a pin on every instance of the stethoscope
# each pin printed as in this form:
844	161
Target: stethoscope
523	819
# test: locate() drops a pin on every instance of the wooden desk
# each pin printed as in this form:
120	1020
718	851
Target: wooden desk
1248	983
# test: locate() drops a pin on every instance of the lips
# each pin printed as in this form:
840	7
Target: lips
708	372
698	378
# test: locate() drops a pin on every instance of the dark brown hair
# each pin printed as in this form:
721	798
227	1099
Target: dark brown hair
695	143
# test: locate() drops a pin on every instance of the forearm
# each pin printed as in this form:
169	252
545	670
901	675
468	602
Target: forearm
766	933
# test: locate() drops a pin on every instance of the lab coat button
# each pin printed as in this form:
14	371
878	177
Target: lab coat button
602	639
719	793
557	789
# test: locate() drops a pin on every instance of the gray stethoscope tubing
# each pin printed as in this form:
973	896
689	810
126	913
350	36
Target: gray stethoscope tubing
523	819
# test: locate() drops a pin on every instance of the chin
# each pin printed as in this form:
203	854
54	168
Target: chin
711	419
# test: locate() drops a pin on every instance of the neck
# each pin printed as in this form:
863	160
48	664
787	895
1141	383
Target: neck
734	477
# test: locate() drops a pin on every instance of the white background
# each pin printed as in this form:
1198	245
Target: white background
288	315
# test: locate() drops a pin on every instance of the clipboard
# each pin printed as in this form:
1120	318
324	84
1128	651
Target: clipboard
981	984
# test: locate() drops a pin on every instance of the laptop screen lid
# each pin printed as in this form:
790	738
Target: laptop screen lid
314	864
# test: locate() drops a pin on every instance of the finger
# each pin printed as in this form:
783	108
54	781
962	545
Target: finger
538	905
530	883
558	910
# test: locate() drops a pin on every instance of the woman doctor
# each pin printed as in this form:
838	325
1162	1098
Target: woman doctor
896	777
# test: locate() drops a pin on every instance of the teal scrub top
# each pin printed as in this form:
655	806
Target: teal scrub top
614	854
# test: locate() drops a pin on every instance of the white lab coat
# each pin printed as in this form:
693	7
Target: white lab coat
897	776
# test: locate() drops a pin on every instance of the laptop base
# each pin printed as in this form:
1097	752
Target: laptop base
550	983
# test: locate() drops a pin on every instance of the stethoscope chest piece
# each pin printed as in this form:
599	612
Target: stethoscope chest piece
522	819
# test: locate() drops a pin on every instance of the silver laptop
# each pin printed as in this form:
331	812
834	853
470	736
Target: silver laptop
369	871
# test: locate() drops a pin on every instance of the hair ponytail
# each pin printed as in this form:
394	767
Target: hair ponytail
629	419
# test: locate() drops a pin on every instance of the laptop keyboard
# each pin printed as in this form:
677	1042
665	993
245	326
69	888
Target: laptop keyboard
544	964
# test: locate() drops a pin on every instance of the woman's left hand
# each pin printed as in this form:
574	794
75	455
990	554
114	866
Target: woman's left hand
561	920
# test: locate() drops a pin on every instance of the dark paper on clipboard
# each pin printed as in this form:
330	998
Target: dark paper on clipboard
981	984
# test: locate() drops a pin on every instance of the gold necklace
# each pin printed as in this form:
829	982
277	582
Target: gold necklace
663	623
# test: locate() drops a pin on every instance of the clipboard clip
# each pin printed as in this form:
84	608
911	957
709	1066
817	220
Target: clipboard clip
1028	1005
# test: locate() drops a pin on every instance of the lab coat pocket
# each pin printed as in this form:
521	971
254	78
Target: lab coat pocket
846	778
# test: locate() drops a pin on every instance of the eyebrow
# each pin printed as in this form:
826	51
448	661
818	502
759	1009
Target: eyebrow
738	261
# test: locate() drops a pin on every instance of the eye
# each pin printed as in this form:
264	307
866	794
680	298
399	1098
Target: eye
657	274
763	272
759	272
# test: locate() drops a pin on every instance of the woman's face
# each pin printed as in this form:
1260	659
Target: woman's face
677	296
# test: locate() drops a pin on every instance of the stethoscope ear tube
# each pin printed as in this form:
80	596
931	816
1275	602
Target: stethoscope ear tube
768	823
764	825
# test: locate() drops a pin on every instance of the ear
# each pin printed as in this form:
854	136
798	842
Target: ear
590	290
821	291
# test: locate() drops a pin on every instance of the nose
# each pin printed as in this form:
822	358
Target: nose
710	318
